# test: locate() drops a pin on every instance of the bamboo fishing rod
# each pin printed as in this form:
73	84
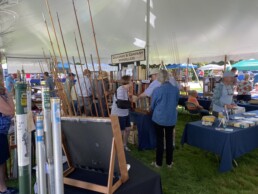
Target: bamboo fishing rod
103	88
94	35
79	85
62	95
69	92
52	69
85	59
78	51
97	51
97	88
54	29
61	32
60	54
41	69
54	72
79	56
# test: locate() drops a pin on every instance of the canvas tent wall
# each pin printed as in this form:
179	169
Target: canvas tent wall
30	65
185	28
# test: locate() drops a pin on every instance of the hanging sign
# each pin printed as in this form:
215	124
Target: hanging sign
132	56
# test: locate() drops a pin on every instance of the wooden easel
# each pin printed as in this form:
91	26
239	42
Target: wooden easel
117	148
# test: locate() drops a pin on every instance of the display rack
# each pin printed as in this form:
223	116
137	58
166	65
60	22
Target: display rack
209	84
104	141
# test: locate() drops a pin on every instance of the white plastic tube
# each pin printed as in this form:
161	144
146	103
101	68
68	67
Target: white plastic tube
46	106
57	145
41	156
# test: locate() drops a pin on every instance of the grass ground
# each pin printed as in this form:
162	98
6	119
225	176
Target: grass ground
196	171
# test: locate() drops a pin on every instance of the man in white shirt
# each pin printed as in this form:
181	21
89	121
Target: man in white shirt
85	97
155	83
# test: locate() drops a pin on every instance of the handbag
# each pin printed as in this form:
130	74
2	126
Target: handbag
123	104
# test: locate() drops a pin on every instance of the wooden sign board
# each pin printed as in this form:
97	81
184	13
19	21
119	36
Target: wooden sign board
132	56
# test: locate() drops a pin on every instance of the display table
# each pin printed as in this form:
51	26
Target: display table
146	130
249	107
228	145
141	180
205	103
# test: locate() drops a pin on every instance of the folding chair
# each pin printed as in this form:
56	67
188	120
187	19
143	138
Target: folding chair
192	109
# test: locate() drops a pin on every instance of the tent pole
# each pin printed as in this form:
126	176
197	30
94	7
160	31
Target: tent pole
225	62
196	76
187	74
147	38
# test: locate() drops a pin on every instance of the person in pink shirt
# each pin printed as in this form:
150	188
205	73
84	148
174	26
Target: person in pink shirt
244	89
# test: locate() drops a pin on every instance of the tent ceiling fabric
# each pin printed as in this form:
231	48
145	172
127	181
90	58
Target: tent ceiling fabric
197	27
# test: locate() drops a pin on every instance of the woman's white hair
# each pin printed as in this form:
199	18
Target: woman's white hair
163	76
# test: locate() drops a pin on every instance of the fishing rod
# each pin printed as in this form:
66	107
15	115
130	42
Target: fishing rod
84	54
97	51
61	32
58	84
60	54
87	93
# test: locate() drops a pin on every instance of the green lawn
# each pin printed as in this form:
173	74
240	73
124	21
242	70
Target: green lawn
196	171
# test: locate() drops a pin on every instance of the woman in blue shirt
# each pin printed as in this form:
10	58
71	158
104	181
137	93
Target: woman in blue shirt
163	104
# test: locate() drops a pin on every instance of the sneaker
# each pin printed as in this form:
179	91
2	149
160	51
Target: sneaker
9	190
170	165
127	149
155	165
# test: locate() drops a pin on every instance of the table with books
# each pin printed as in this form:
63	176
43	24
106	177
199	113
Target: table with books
249	106
146	130
239	137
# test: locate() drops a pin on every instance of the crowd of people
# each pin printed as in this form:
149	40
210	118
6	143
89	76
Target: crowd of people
160	101
164	93
87	96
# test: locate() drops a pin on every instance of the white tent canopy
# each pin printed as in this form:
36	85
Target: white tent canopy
196	28
211	67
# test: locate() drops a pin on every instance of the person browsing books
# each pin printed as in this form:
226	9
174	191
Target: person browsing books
123	114
155	83
223	94
164	107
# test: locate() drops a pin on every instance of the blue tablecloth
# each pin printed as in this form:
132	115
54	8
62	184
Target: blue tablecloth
203	102
249	107
146	130
228	145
